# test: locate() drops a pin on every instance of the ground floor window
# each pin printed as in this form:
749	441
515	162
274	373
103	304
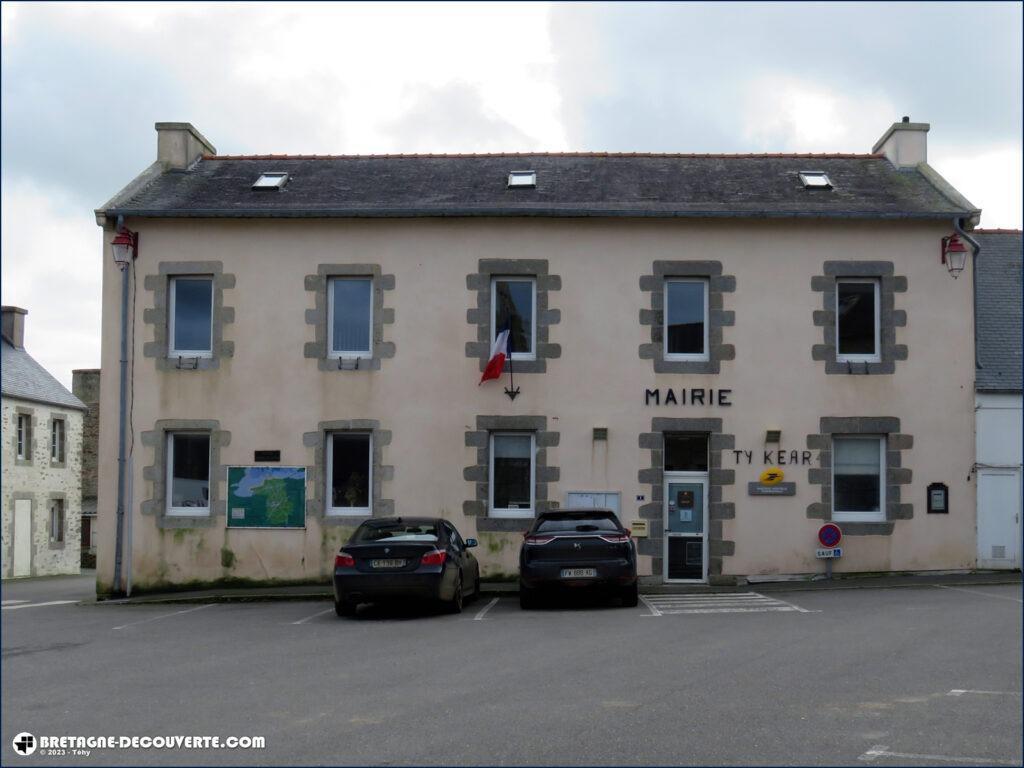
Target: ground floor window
349	473
858	468
57	521
512	473
188	473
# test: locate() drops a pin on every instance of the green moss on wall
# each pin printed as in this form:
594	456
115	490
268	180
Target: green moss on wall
227	558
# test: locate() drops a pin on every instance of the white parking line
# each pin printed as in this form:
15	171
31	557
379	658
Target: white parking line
650	606
37	605
718	602
165	616
883	751
320	613
980	594
483	611
961	692
13	602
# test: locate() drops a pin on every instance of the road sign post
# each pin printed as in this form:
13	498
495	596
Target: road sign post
829	536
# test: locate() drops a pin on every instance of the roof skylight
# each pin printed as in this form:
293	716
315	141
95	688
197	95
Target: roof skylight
522	179
272	180
815	180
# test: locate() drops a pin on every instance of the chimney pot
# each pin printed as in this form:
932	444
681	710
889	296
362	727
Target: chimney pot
905	144
906	118
14	326
178	145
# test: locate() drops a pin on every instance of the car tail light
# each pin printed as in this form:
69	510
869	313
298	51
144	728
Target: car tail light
539	539
344	560
616	538
434	557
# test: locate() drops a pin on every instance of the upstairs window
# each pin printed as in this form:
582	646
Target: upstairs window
188	473
271	180
858	488
349	473
57	521
57	439
686	319
857	321
527	179
24	436
512	474
514	308
191	317
350	316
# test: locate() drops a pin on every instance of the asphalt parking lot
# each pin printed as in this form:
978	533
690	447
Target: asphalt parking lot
929	675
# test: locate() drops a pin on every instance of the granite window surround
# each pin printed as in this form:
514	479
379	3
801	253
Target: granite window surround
718	318
896	475
30	439
50	498
61	417
316	473
158	315
718	478
479	473
318	316
480	316
890	318
156	473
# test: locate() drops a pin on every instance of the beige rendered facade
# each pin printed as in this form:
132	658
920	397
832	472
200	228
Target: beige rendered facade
770	281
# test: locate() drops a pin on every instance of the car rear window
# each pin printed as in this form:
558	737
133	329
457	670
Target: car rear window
577	523
367	534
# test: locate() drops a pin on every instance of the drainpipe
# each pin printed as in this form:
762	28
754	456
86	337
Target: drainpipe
122	428
958	228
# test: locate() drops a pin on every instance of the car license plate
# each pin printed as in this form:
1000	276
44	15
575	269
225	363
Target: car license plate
387	563
578	573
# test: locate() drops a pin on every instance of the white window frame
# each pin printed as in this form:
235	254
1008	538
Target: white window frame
172	350
188	511
532	354
58	440
55	505
24	428
329	508
348	354
694	357
517	512
876	356
867	516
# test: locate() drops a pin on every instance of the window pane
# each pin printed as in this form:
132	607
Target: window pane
350	475
684	318
190	476
351	320
512	459
686	453
514	310
857	481
193	308
369	532
856	313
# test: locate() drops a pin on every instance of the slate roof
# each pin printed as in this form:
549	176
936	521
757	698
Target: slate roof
998	312
568	184
24	378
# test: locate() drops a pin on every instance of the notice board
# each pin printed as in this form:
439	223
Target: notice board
266	497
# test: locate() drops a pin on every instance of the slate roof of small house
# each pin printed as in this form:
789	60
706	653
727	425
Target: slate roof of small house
998	311
25	379
568	185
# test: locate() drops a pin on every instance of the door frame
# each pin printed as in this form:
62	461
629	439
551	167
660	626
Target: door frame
701	478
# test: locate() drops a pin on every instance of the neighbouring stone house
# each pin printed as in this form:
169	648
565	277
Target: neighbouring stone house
85	385
42	455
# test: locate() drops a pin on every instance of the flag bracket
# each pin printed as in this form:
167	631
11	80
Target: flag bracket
512	393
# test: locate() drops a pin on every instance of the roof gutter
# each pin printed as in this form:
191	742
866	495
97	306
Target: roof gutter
958	228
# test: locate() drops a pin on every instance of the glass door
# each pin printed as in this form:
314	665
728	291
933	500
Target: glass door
685	528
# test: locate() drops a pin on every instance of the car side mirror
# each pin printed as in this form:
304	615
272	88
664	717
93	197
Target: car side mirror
470	543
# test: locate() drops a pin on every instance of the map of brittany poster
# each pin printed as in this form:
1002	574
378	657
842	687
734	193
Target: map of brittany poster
266	497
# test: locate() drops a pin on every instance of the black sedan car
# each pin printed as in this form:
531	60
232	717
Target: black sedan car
391	558
577	548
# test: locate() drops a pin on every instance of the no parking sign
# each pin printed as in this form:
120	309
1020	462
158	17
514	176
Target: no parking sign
830	535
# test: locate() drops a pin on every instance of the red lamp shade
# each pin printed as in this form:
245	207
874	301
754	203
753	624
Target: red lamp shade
954	255
123	245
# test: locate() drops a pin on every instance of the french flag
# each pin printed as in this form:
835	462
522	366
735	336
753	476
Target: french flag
499	352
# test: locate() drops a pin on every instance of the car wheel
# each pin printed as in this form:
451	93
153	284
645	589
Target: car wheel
344	608
455	604
631	596
527	598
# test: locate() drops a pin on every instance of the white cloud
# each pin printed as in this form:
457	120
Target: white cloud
990	177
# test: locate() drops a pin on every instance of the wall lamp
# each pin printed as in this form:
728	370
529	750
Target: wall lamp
954	255
125	246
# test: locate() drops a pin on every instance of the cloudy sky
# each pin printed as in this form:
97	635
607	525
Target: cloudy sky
82	86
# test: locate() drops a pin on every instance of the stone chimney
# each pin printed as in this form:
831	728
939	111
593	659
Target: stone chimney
905	144
14	326
178	145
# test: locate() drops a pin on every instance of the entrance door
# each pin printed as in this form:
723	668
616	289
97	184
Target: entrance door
22	537
686	548
999	510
